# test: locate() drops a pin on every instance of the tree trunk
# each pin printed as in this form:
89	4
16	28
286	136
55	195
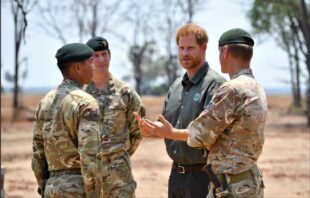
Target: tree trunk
308	88
292	78
16	87
137	68
308	102
17	39
171	69
138	85
297	102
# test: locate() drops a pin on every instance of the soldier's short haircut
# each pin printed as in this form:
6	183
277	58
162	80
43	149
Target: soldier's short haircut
199	32
245	52
64	67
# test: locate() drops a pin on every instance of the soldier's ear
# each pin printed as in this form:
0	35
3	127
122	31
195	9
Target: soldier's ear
225	51
77	67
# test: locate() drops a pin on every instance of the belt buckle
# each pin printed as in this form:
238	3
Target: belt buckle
228	179
181	169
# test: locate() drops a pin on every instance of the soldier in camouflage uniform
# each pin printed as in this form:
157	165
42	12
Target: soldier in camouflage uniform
120	135
231	128
66	130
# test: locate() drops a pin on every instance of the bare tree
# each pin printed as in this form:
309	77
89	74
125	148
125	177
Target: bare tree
137	55
190	8
141	44
20	10
81	18
77	18
173	19
303	19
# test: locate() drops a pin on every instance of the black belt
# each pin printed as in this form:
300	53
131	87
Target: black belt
183	169
56	173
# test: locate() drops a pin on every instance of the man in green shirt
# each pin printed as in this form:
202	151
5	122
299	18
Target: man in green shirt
187	97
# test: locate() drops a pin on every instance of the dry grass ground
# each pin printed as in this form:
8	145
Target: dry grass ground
284	161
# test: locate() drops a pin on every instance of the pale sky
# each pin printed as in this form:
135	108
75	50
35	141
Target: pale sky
218	16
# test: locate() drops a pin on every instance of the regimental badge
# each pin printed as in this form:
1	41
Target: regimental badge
197	97
104	43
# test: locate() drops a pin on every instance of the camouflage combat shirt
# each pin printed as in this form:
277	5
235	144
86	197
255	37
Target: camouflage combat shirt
232	126
120	130
66	133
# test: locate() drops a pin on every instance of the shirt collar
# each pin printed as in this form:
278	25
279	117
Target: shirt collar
70	82
91	87
197	77
247	72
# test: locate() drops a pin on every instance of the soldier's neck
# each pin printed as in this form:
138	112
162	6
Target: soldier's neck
101	80
237	65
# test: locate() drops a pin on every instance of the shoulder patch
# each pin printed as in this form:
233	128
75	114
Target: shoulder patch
92	115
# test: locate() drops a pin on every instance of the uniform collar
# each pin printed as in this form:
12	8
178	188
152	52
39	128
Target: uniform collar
70	82
108	89
197	77
247	72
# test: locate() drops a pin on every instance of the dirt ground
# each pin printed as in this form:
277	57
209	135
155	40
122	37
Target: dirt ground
285	159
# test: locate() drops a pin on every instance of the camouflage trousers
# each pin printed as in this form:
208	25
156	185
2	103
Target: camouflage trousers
65	186
251	187
114	177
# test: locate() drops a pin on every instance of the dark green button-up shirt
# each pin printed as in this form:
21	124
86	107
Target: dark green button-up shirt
185	100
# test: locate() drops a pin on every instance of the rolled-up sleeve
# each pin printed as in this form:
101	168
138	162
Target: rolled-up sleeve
134	131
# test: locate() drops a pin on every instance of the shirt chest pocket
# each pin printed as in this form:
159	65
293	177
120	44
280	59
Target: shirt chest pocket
114	128
117	108
114	119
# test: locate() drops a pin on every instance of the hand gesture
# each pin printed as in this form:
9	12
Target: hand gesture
144	127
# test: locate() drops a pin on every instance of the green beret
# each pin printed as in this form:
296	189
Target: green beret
73	52
236	36
98	43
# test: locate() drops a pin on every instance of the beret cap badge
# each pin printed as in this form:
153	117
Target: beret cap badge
98	43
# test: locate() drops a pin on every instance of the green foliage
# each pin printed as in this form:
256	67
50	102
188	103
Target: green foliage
273	17
288	22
